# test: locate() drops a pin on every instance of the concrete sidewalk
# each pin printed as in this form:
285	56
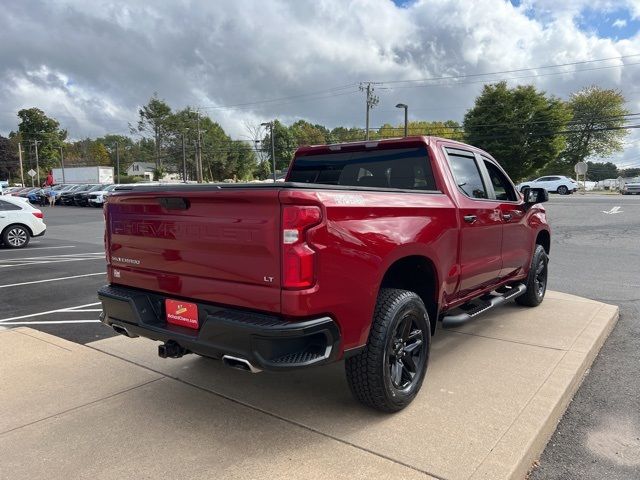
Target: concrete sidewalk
494	392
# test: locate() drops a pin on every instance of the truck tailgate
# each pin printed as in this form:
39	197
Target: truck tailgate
217	245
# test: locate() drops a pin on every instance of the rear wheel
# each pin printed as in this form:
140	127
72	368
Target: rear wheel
15	236
537	279
562	190
388	373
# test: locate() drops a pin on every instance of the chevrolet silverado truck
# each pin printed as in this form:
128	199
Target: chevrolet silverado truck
359	255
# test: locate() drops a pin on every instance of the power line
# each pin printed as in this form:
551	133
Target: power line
515	78
455	77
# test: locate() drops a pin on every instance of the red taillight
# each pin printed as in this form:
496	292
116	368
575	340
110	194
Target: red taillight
298	258
38	214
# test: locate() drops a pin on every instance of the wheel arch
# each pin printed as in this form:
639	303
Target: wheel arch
544	238
418	274
17	224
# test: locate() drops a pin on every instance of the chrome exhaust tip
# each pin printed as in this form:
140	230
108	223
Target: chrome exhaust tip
239	363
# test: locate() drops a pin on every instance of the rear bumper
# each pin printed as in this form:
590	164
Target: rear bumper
267	341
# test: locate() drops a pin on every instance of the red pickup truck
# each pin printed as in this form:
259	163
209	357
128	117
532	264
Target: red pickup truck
358	255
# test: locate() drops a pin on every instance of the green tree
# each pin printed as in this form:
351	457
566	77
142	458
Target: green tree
263	170
305	133
154	119
34	126
9	162
629	172
600	171
346	134
596	127
521	127
448	129
284	142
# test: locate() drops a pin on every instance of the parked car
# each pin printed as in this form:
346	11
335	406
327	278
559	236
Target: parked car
19	222
358	255
81	198
554	183
24	193
97	198
631	188
66	198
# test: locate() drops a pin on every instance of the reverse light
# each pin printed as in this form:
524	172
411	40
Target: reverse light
298	258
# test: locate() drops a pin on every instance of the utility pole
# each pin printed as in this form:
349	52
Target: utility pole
62	164
36	142
117	163
199	172
372	101
21	169
184	161
273	146
195	144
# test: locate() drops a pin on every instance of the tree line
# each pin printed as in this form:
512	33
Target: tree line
528	131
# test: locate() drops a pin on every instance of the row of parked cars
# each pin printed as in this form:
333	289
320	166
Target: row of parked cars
81	195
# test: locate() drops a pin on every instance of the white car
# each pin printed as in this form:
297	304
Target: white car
552	183
19	221
96	198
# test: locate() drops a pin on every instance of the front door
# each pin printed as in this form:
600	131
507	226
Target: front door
516	235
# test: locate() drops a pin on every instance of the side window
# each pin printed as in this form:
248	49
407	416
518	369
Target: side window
501	184
466	174
6	206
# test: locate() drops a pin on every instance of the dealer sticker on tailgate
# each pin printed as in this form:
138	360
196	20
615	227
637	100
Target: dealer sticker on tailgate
182	313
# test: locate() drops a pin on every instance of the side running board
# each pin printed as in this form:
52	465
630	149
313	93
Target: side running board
451	321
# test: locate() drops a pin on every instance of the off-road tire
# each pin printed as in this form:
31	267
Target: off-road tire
534	294
368	372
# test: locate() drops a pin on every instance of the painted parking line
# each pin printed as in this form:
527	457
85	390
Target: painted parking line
50	257
52	279
31	315
81	310
50	322
38	248
20	262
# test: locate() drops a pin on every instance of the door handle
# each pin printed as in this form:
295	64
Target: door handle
507	216
470	218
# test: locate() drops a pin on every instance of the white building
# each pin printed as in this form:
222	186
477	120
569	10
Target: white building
145	169
141	169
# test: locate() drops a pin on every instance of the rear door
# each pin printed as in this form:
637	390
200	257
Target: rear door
480	254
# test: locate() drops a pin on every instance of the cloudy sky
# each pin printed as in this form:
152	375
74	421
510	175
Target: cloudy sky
91	63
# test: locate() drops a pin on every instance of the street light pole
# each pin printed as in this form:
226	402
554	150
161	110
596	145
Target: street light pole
406	117
273	147
62	164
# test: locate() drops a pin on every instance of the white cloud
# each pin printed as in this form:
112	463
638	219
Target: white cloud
91	67
619	23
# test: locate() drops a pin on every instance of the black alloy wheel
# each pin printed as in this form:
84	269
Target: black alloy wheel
540	281
405	353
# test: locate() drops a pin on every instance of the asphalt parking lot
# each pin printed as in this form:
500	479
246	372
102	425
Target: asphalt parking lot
51	286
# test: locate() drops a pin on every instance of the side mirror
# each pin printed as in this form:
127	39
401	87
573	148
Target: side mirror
534	195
